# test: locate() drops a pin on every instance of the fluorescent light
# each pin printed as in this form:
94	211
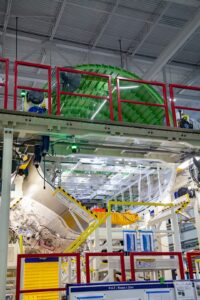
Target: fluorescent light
98	110
129	87
104	102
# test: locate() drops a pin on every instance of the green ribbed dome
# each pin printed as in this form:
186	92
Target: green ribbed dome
83	107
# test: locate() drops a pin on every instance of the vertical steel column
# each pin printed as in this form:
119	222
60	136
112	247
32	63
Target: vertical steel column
109	233
175	225
96	261
5	207
109	245
195	204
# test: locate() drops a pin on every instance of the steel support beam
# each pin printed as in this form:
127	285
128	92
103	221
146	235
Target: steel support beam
148	28
196	206
173	47
134	14
193	3
52	125
74	47
40	44
58	19
105	25
175	228
5	207
53	33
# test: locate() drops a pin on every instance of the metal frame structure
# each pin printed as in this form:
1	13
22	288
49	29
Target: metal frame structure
19	291
189	257
5	205
172	98
137	203
24	87
121	255
4	84
38	124
25	122
105	254
69	70
178	254
153	83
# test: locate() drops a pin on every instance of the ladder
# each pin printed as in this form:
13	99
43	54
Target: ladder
75	206
85	234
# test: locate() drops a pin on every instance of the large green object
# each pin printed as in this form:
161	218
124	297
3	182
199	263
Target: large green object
95	109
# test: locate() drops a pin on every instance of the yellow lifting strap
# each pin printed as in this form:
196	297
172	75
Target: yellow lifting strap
126	218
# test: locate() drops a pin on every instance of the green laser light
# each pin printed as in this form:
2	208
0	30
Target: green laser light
23	93
74	148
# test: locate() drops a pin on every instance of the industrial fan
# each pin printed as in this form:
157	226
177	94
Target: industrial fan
70	81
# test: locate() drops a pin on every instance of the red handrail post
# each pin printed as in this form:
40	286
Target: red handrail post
87	263
78	267
164	88
132	265
189	256
110	98
122	261
171	92
190	268
18	277
181	266
49	90
58	91
118	100
24	87
15	86
5	84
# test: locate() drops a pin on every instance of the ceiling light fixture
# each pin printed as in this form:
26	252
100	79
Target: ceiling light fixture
129	87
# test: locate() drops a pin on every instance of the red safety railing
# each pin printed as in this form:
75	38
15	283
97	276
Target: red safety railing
4	84
189	257
108	97
24	87
104	254
20	291
93	74
172	87
19	279
134	102
134	254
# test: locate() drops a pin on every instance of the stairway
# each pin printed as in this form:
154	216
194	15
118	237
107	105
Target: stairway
75	206
85	234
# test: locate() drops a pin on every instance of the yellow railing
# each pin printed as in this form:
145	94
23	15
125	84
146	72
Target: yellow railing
112	202
85	234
